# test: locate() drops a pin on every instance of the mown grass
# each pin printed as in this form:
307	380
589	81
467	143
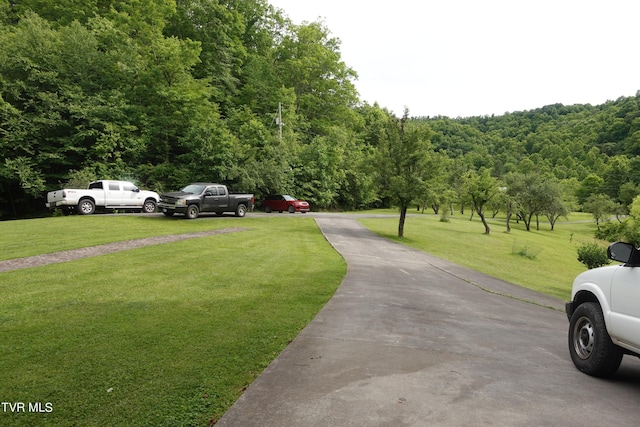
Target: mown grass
544	260
170	335
165	335
46	235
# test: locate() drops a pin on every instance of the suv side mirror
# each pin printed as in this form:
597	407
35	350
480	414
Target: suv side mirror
623	252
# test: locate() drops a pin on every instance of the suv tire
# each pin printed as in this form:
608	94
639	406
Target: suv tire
590	345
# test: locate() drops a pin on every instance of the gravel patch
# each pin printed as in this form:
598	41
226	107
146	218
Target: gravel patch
73	254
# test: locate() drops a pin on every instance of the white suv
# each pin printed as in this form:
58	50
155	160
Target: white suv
604	313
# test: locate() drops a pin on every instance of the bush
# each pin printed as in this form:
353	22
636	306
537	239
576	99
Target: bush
626	230
610	231
592	255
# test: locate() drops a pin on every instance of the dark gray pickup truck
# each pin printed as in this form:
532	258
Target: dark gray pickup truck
205	197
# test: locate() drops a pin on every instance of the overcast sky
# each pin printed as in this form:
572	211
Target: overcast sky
463	58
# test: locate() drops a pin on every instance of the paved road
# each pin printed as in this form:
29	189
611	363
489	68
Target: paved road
412	340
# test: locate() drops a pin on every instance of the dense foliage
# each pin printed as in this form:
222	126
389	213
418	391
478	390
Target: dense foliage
164	92
592	255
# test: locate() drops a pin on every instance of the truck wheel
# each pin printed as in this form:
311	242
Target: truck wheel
192	212
267	209
590	346
241	210
291	209
149	206
86	207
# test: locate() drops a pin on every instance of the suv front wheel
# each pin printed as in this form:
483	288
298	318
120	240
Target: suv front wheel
591	348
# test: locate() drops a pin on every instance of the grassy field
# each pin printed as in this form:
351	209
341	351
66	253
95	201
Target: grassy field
165	335
170	335
544	260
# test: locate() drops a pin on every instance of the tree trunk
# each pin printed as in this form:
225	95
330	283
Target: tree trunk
403	216
527	221
487	230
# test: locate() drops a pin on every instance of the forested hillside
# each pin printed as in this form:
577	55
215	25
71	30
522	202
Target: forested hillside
164	92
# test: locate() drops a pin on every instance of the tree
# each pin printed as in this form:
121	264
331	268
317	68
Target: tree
592	184
626	195
404	162
308	60
482	188
554	207
318	173
219	29
529	196
600	206
435	191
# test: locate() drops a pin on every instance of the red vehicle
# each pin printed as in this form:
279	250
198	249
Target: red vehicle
284	202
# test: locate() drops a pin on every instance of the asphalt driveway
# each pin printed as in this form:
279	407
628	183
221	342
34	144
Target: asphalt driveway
412	340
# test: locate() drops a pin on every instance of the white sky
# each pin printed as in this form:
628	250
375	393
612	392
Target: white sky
463	58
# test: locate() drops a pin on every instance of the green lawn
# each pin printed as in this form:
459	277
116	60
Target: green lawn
548	262
40	236
170	335
166	335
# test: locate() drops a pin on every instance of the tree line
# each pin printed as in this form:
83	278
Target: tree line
166	92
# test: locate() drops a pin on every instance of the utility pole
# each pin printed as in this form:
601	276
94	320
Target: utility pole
279	120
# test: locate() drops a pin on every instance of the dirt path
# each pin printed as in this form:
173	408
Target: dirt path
73	254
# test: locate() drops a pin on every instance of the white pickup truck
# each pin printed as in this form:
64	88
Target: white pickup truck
103	195
604	313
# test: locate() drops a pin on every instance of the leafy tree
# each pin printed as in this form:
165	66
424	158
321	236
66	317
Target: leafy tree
220	30
626	195
308	60
627	229
404	162
529	196
318	173
262	161
616	174
499	202
601	206
554	208
482	188
435	192
357	189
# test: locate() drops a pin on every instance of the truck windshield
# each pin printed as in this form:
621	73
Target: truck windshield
193	189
